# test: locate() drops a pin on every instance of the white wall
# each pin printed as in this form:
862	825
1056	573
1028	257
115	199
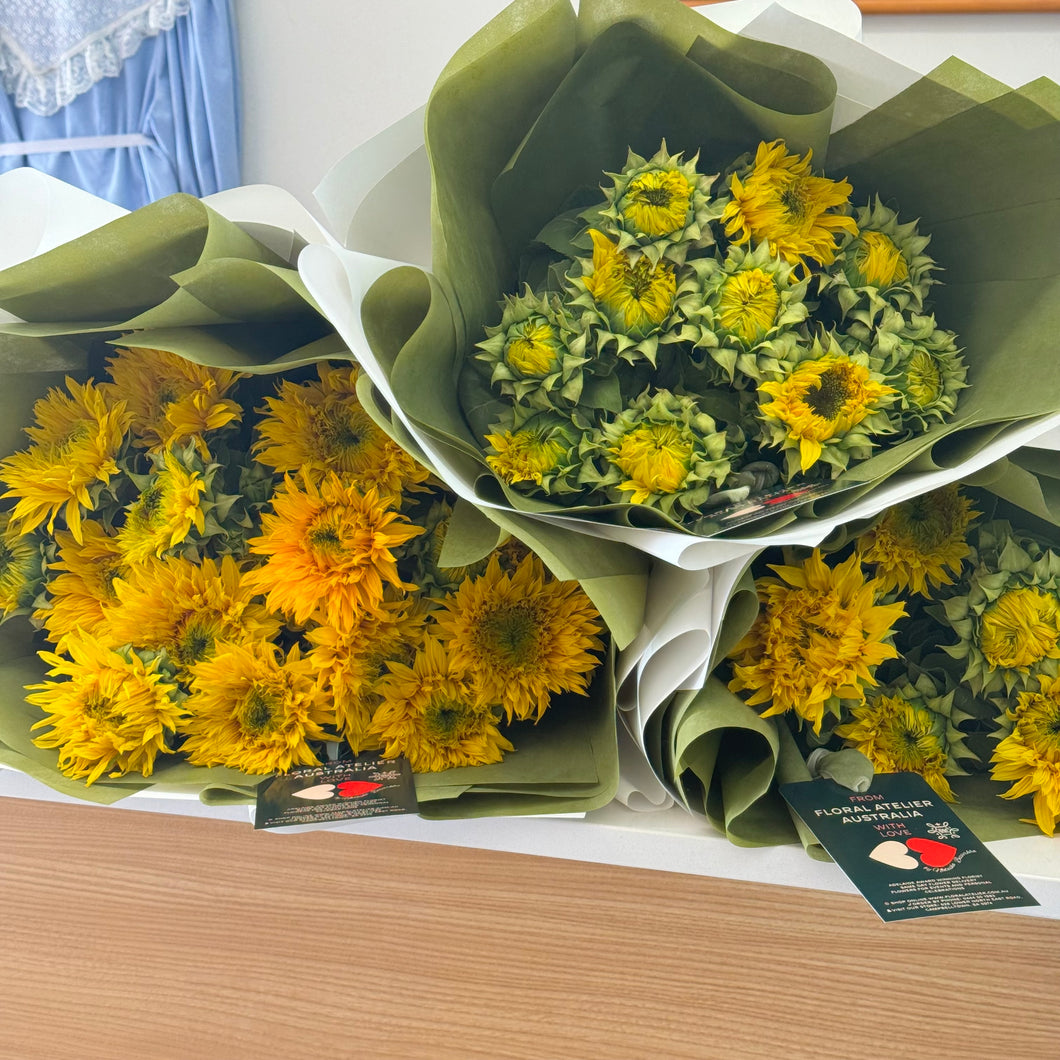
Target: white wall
1014	48
321	76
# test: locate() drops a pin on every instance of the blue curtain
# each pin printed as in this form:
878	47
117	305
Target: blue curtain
180	90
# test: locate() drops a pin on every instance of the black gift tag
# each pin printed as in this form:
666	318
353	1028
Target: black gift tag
904	848
367	786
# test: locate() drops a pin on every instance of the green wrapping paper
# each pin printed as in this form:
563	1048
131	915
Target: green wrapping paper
541	101
408	325
187	280
726	762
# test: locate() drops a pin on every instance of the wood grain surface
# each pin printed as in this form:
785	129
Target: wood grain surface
144	936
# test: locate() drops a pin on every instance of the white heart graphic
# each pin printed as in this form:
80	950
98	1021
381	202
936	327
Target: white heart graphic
317	792
891	852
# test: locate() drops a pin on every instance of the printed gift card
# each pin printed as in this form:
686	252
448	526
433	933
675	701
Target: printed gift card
904	848
367	786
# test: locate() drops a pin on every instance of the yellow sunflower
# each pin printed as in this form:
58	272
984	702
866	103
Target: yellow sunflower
82	593
655	458
112	712
921	542
187	608
1030	755
254	710
76	442
780	201
898	736
638	295
430	714
819	403
818	639
521	636
350	665
172	401
1020	629
329	547
321	427
166	511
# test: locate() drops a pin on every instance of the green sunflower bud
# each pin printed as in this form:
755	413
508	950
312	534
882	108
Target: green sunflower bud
922	362
662	451
537	352
630	306
752	306
908	727
884	264
1008	622
538	454
659	207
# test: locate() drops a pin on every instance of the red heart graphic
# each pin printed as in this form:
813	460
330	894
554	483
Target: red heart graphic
351	789
933	853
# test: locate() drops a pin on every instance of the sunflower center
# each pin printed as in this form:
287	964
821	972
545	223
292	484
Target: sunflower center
749	305
1020	628
796	199
1038	723
911	743
928	520
834	389
194	643
150	503
325	537
511	634
445	718
97	706
75	432
640	280
338	432
655	196
258	711
100	708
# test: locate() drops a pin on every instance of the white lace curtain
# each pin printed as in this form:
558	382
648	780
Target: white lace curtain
51	51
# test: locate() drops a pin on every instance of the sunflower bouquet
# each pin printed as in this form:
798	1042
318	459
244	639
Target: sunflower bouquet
242	590
215	566
928	640
645	302
694	339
